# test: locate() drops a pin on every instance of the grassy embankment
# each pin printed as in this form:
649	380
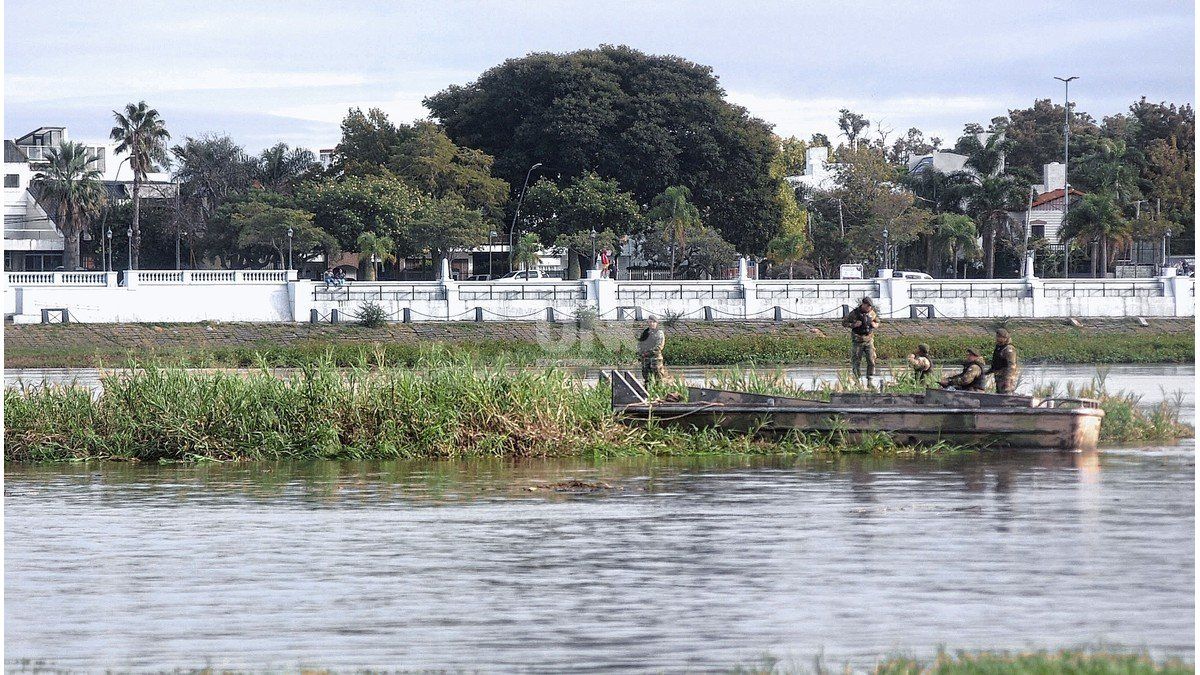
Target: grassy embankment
687	344
444	409
1073	661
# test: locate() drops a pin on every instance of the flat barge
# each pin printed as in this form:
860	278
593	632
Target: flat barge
966	418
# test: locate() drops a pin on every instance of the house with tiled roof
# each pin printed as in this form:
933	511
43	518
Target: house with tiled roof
1044	217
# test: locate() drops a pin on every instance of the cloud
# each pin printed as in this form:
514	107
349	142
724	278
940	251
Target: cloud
935	115
27	88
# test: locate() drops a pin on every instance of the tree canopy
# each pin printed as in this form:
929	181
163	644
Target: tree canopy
646	121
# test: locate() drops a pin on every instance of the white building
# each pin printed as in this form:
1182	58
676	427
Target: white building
942	161
819	173
1045	215
32	241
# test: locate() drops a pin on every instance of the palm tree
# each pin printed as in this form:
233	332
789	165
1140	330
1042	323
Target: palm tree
957	235
674	210
989	200
1098	219
280	167
140	132
73	191
528	251
374	249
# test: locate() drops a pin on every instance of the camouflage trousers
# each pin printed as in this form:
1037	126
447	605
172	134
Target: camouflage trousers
859	350
652	368
1006	380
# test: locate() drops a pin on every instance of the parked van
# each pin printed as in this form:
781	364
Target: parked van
901	274
852	271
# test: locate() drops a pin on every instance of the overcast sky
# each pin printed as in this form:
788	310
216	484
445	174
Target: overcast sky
265	72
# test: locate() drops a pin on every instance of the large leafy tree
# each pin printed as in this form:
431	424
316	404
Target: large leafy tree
698	252
141	132
422	155
443	226
646	121
568	214
383	204
263	233
71	189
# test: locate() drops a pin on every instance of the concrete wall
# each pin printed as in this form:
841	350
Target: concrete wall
270	296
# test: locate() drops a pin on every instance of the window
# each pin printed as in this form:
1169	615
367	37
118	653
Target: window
12	180
97	155
1037	229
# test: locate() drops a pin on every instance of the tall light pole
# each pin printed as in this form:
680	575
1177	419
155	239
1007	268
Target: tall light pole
289	248
491	246
517	214
1066	166
129	234
885	247
108	261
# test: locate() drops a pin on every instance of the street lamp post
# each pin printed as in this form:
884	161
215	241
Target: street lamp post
129	235
108	261
517	214
593	246
491	246
885	247
289	248
1066	165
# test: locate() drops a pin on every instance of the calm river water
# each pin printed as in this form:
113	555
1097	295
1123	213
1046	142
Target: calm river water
680	564
691	564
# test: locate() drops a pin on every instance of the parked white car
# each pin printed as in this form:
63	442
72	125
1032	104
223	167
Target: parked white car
900	274
528	275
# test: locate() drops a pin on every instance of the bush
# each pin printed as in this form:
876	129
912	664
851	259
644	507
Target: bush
371	315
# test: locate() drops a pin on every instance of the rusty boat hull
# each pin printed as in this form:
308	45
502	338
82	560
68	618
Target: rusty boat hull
970	419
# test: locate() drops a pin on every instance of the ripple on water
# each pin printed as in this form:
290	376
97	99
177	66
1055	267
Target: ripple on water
684	563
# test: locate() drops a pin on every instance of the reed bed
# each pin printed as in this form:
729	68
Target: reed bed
1126	419
443	409
1073	661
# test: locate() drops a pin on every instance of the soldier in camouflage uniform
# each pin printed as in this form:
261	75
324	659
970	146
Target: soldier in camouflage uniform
862	322
971	378
1004	363
921	363
650	346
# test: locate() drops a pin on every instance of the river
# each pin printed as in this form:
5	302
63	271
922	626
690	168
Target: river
672	564
679	564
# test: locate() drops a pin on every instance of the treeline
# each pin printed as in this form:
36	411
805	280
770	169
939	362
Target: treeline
1136	170
606	147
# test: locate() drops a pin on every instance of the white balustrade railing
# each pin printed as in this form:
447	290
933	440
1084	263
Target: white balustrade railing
58	278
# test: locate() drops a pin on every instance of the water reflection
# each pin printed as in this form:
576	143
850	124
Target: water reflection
682	563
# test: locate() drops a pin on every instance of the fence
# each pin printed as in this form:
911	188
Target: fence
1108	288
925	290
678	290
276	295
831	290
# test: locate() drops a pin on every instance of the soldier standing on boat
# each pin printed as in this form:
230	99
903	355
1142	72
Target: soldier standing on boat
971	378
862	322
1004	363
650	348
921	362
